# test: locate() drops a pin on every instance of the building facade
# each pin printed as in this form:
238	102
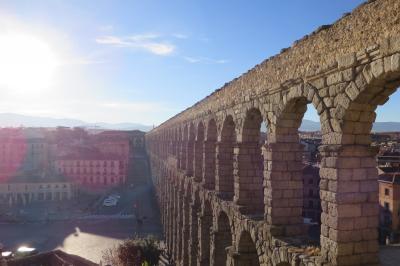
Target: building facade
311	199
389	206
94	171
24	190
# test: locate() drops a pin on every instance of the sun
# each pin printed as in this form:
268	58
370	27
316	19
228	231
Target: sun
27	63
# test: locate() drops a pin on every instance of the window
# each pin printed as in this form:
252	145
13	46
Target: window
386	206
387	193
310	204
41	196
310	181
310	193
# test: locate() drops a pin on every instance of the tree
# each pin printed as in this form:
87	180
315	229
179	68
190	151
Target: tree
133	252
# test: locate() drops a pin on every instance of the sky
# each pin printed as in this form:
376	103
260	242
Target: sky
143	61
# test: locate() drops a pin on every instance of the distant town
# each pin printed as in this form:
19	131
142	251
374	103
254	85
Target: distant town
61	187
39	164
387	145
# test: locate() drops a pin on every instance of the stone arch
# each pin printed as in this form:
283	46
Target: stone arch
186	223
182	147
175	222
222	239
205	223
190	150
175	142
194	228
210	155
247	251
198	152
179	219
283	194
355	110
349	187
224	184
248	172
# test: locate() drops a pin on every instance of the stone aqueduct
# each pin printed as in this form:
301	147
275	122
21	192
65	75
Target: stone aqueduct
226	199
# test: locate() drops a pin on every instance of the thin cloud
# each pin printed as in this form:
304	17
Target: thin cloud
147	42
106	28
204	60
180	36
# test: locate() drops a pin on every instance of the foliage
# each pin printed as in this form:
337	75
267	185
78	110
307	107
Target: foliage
133	252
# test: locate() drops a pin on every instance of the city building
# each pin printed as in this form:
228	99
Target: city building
23	150
92	170
311	199
26	189
389	205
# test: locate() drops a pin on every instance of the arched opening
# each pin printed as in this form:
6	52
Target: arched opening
284	166
248	173
224	184
175	224
352	208
190	151
170	143
187	199
182	147
210	155
199	150
175	143
205	233
247	251
310	137
222	239
171	215
194	229
386	138
179	221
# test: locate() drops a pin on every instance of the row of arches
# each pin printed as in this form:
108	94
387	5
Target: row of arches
222	151
230	156
199	235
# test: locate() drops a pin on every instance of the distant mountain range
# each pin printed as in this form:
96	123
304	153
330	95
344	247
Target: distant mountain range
16	120
309	125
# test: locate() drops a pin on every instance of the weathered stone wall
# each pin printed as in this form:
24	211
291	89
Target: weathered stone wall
208	164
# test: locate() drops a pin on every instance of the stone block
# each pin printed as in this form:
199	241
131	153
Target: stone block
347	61
371	209
348	74
352	91
349	210
345	249
367	73
334	78
377	68
369	186
395	62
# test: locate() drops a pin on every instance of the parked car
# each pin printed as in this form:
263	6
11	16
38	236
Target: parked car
23	251
108	202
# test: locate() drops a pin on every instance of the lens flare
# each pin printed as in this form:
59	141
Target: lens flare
27	63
